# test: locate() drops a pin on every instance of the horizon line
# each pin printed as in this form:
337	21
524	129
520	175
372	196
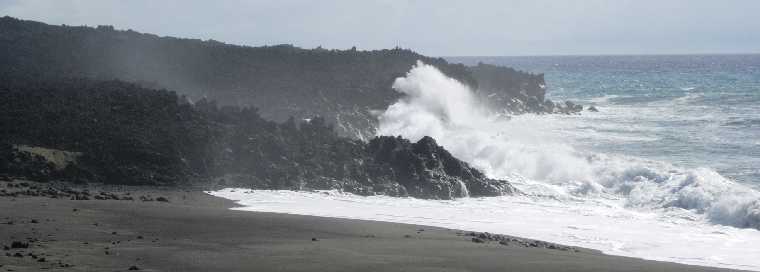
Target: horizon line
604	55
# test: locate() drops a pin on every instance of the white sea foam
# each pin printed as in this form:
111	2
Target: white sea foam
438	106
619	204
602	224
603	99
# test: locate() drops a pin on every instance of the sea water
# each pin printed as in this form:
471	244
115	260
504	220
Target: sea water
666	170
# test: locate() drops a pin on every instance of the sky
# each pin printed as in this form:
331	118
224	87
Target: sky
431	27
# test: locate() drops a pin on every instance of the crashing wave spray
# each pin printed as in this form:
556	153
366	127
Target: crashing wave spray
525	151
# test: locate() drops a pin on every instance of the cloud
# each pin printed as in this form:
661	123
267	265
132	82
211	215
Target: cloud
443	27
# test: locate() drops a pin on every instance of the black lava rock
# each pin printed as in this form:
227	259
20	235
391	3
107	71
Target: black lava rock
17	244
427	170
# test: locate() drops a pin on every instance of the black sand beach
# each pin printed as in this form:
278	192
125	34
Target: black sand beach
194	231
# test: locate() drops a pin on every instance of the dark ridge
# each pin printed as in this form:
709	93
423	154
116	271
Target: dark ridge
343	86
114	132
516	92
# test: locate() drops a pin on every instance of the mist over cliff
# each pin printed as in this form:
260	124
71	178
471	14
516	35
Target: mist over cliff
343	86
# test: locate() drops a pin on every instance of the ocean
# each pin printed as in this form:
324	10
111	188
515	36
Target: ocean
690	110
668	169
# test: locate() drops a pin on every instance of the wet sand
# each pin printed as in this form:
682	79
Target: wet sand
194	231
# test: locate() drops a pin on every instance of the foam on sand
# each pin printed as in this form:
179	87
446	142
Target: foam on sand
617	203
602	225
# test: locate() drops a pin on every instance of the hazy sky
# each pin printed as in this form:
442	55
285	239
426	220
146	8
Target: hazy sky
433	27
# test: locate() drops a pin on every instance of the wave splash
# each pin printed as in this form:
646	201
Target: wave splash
526	150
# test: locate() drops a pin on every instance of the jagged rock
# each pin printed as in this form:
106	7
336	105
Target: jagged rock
427	170
232	144
571	107
516	92
592	109
17	244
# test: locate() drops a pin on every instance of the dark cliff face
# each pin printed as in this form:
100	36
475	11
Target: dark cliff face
92	92
516	92
343	86
121	133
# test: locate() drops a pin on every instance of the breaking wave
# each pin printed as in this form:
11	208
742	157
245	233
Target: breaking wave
528	151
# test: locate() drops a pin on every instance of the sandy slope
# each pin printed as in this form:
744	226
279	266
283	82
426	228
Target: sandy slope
196	232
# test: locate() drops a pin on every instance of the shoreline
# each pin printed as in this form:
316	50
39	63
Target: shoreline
195	231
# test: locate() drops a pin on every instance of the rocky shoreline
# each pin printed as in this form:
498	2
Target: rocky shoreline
91	119
169	143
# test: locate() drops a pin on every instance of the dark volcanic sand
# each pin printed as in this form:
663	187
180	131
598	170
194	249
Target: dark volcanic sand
197	232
